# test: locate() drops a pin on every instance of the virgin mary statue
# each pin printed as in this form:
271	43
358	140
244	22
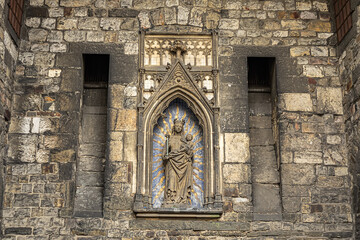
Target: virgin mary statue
178	158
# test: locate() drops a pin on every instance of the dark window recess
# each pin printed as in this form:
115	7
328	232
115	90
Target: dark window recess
96	70
261	70
343	18
16	8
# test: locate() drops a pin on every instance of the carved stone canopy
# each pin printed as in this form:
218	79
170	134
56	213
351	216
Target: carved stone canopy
177	85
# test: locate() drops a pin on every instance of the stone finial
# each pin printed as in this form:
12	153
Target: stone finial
178	47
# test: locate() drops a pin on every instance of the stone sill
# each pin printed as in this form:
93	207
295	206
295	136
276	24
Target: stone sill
179	213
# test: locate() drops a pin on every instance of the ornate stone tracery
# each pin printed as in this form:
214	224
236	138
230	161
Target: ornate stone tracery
170	93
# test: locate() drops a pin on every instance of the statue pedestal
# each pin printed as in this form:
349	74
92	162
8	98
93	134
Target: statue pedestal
175	205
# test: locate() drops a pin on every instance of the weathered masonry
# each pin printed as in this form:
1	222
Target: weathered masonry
179	119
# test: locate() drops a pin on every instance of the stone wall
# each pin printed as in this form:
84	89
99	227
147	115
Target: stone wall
315	185
349	62
8	57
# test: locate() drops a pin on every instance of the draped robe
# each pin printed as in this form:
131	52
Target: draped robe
178	171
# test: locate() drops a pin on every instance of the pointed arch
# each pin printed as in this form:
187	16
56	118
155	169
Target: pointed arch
177	84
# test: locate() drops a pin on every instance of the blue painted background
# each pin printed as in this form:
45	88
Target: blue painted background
177	109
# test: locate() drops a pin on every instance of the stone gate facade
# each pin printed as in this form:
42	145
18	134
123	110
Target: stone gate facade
267	89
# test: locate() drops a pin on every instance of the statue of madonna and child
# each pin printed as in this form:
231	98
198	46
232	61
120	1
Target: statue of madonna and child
178	159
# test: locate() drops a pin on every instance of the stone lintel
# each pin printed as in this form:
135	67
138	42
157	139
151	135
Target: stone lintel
179	212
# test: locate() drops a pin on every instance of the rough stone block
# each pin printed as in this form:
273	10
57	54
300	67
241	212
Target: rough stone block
212	20
88	23
230	24
63	156
119	202
236	173
52	3
234	121
260	122
124	69
67	24
295	190
183	15
95	150
94	128
116	96
95	101
59	141
33	22
308	157
341	171
44	60
293	24
91	179
54	73
41	12
112	24
273	6
308	15
37	35
319	26
69	60
291	204
119	172
298	142
299	51
126	120
23	147
66	171
91	164
48	23
237	147
88	198
170	15
58	47
18	231
298	174
264	165
75	3
55	36
56	12
130	147
313	71
266	198
144	20
26	200
331	181
71	80
319	51
75	36
196	16
116	150
26	58
131	48
329	100
126	12
20	125
67	102
261	137
259	108
297	102
95	36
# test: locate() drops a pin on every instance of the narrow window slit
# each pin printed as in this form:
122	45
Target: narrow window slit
263	138
92	137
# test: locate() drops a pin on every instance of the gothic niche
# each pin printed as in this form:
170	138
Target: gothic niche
178	170
178	159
